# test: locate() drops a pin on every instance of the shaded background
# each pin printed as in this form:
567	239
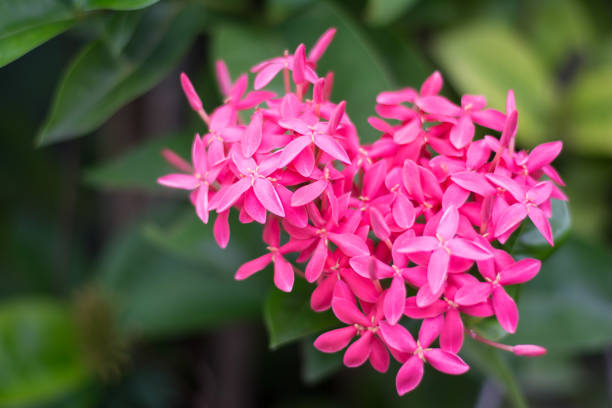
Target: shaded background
113	294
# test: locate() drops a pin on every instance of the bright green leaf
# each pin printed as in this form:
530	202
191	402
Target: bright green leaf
288	316
40	356
97	84
360	73
558	29
381	12
25	24
140	167
567	307
489	59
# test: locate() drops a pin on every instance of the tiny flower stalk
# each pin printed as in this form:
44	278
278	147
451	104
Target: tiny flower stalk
407	229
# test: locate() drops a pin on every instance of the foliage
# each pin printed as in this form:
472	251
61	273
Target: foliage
165	278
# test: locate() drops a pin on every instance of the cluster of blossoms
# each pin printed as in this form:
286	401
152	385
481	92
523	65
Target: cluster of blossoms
407	228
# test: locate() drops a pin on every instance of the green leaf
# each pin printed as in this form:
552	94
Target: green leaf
241	47
140	167
114	4
288	316
489	361
174	280
531	243
350	49
97	83
317	366
558	29
118	30
567	307
40	355
489	59
183	299
589	103
381	12
25	24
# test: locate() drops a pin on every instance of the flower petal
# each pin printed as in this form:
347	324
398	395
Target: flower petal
331	147
253	266
446	362
335	340
397	336
283	274
430	329
251	138
379	356
451	337
350	244
469	295
359	351
437	269
317	262
505	310
268	197
468	249
409	375
416	244
539	219
520	272
395	300
178	180
308	193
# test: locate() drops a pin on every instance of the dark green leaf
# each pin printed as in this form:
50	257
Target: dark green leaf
118	30
25	24
173	280
350	49
316	366
381	12
531	243
469	56
140	167
288	316
567	307
40	355
490	362
97	83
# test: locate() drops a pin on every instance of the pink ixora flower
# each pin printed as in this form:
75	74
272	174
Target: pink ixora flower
409	229
368	346
442	246
203	175
419	352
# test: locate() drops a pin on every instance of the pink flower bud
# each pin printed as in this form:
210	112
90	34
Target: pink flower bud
529	350
190	93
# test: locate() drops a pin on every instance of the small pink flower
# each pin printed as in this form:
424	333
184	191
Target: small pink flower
199	181
442	246
419	352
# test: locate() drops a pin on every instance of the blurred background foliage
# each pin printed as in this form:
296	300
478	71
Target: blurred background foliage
114	295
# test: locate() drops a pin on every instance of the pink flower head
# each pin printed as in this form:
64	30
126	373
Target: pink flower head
405	229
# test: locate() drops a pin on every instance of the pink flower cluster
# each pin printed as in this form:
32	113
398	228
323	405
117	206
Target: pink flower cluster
406	228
